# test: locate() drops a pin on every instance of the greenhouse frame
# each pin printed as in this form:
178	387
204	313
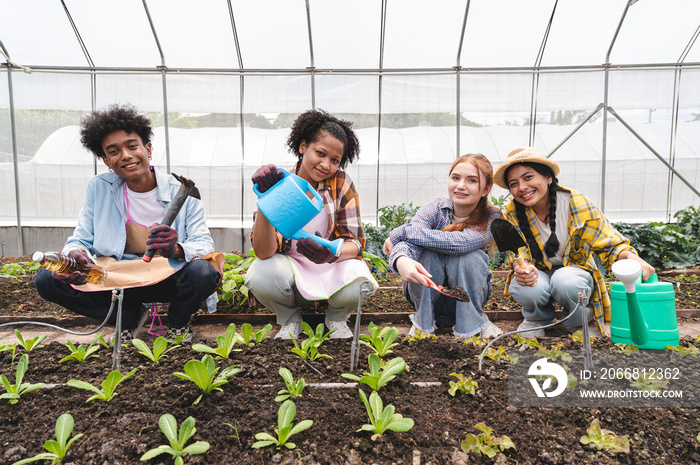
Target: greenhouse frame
610	89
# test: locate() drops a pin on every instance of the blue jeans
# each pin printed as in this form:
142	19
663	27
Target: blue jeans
560	285
185	290
469	271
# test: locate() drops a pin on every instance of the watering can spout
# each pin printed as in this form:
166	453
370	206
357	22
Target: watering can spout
629	271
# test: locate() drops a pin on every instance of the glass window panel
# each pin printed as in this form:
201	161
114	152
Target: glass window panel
273	34
195	34
346	34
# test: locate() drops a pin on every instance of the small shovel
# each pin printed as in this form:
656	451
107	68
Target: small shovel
456	293
508	239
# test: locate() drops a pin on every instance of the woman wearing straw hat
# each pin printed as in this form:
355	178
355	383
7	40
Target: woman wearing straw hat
567	237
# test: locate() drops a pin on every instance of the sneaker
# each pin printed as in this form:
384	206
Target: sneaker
127	336
185	333
414	329
529	328
294	328
343	332
491	331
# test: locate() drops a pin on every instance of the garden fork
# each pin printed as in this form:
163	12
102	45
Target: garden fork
365	291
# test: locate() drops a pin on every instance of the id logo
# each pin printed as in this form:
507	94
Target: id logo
542	367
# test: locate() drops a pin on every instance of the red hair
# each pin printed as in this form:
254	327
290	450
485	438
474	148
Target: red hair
479	218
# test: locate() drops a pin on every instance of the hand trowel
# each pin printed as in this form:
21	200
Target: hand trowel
508	239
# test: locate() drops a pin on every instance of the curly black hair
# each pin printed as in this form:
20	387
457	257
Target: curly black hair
310	125
98	124
552	245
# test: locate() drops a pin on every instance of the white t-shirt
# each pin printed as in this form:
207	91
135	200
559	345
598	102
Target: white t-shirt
561	227
144	207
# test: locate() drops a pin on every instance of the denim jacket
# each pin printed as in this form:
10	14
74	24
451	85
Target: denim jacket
101	221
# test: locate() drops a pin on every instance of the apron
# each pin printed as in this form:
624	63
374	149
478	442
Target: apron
320	281
138	273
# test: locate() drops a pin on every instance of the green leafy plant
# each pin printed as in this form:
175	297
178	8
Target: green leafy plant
82	352
235	434
463	385
14	391
6	347
109	385
377	265
160	348
626	349
250	337
683	351
531	342
649	383
382	418
498	354
664	245
419	336
485	443
380	340
285	428
605	439
177	440
476	341
390	217
204	374
378	377
233	289
29	344
308	348
57	449
13	271
224	343
293	388
179	340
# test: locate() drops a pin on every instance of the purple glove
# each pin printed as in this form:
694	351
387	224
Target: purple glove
162	239
76	277
315	251
266	177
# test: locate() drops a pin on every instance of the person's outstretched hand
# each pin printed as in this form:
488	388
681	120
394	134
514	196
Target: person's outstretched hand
266	177
76	277
162	239
315	251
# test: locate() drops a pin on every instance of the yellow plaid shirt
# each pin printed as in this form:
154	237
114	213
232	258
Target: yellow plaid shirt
589	233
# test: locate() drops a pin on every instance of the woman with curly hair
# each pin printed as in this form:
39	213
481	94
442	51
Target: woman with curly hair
121	219
290	273
446	240
573	233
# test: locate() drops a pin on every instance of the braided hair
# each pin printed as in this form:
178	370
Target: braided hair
552	245
310	125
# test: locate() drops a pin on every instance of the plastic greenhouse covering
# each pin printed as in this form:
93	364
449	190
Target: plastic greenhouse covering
608	88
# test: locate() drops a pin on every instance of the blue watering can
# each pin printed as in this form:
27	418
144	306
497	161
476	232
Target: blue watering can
289	205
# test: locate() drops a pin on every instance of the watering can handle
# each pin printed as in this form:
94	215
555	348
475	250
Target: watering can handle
285	173
652	279
336	246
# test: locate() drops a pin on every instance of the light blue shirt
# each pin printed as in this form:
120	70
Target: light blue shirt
102	219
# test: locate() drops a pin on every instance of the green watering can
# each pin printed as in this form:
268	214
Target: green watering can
643	314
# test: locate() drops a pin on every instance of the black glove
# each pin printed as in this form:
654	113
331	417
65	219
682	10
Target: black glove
76	277
266	177
315	251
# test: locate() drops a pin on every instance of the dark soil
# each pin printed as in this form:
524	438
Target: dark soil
120	431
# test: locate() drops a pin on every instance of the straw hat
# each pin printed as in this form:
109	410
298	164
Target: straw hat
525	154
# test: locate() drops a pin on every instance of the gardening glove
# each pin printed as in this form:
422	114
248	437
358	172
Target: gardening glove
266	177
315	251
76	277
162	239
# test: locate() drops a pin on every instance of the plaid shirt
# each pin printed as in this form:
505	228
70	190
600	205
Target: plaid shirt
342	203
425	231
590	234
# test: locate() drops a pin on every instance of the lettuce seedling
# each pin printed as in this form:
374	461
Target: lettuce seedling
378	377
294	388
419	336
224	343
308	349
160	348
382	418
57	449
109	385
177	440
15	391
285	428
251	337
380	340
204	374
485	443
81	353
463	385
605	439
29	344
